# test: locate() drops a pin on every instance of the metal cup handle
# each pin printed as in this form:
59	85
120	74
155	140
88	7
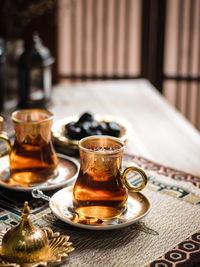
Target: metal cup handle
4	137
127	184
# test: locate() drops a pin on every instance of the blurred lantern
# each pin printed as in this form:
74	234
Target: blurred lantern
35	75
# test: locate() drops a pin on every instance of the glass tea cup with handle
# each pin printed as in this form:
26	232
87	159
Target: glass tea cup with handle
32	158
101	189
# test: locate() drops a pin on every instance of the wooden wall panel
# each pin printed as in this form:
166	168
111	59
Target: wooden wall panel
99	37
182	58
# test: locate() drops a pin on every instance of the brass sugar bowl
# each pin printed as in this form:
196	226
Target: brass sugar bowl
26	243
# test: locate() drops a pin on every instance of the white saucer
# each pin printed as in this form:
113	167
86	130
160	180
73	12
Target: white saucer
67	173
138	206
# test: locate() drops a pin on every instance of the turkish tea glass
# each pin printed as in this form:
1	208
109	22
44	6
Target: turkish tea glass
101	189
32	157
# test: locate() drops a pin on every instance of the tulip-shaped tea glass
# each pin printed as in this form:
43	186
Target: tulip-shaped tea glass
101	189
32	156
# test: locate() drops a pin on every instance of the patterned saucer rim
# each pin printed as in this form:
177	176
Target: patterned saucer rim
47	186
66	192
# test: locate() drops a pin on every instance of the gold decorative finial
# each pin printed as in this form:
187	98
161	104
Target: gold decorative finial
26	210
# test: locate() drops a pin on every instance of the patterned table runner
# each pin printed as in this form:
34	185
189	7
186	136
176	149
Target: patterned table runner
185	188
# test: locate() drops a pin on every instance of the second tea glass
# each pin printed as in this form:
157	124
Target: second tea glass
32	157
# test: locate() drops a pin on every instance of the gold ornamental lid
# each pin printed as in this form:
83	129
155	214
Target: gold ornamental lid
25	243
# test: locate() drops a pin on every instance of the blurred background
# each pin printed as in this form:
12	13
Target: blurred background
90	40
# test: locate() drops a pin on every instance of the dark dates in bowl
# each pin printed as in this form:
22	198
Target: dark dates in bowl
68	131
87	125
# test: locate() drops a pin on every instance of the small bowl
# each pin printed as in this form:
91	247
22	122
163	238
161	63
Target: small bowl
28	245
69	146
59	249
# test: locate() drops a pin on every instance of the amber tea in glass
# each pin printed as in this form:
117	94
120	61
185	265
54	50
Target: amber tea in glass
32	156
101	189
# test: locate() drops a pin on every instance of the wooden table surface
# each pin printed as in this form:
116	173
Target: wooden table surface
160	133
